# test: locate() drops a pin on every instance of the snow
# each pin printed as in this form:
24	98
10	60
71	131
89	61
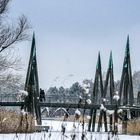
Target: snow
88	101
21	95
71	129
116	96
80	97
88	117
104	99
67	136
86	86
24	112
110	112
77	112
120	110
102	107
23	92
64	124
86	90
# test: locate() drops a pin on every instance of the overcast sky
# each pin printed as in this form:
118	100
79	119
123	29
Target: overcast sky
69	34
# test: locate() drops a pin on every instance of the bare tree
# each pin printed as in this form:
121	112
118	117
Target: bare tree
9	60
3	6
10	34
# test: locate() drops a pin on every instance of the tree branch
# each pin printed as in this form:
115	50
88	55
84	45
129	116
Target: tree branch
11	35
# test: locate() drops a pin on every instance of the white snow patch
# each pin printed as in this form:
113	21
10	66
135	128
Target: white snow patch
88	117
80	97
23	92
87	90
88	101
102	107
116	96
77	112
104	99
24	112
110	112
120	110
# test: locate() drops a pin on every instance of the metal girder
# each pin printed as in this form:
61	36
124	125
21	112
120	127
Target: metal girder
126	85
97	94
70	105
12	103
32	85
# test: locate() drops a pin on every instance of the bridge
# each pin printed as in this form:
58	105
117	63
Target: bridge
125	94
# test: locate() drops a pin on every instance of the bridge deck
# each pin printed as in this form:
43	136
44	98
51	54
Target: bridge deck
11	103
71	105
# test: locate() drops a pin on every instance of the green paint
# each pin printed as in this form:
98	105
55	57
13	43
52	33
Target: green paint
110	61
127	53
98	66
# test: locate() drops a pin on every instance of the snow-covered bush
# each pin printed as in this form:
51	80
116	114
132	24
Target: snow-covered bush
116	97
102	107
77	114
21	95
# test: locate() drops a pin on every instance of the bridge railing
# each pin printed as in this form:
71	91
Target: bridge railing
8	98
60	99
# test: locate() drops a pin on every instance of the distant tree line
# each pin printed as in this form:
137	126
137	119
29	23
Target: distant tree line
62	94
72	94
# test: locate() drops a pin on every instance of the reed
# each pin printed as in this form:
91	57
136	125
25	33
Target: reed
15	122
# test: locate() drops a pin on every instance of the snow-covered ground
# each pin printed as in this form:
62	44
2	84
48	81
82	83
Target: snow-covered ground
71	130
58	136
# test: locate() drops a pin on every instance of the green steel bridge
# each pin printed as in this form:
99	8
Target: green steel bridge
125	102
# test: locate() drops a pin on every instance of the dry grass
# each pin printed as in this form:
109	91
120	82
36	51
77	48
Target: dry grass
12	122
133	127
